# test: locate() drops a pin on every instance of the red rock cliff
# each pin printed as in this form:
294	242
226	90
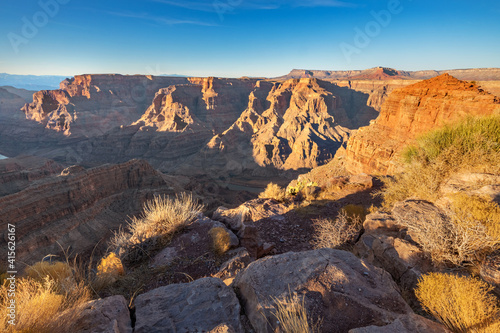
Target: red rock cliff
409	112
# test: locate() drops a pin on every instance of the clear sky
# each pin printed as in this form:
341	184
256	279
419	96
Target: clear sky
234	38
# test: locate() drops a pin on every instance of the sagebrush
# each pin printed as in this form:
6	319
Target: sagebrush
463	304
337	232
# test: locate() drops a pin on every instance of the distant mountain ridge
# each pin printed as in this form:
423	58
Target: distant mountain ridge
386	73
31	82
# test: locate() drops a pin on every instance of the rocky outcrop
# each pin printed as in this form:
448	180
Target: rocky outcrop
20	172
385	244
78	209
210	104
90	105
108	315
200	306
409	112
291	125
342	290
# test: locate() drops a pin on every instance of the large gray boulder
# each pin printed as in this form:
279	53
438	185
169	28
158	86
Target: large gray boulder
338	288
199	306
108	315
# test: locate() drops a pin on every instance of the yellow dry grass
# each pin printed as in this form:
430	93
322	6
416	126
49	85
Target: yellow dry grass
221	241
46	291
275	192
472	145
161	217
292	315
463	304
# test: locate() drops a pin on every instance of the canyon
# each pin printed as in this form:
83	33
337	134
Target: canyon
222	139
83	160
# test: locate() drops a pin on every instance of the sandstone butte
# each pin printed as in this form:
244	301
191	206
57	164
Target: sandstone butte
409	112
291	124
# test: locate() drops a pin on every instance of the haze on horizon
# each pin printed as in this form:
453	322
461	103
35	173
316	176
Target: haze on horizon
233	38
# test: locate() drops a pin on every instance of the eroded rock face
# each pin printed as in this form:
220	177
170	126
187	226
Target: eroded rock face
344	291
409	112
79	209
299	124
20	172
200	306
90	105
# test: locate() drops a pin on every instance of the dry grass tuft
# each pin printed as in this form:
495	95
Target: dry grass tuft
463	304
221	241
338	232
47	291
475	208
59	272
161	217
292	315
275	192
472	145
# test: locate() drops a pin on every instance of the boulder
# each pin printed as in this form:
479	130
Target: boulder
108	315
192	242
405	324
201	306
338	288
473	184
233	266
384	245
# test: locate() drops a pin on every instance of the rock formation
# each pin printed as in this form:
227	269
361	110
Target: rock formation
409	112
384	73
291	125
337	287
78	208
20	172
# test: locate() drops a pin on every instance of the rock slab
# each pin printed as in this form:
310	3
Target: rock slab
199	306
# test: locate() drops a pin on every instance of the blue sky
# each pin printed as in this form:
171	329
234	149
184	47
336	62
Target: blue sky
234	38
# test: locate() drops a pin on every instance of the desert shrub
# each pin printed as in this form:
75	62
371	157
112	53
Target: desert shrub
335	233
291	315
463	304
109	270
455	239
354	212
470	145
273	191
221	241
478	209
161	217
300	187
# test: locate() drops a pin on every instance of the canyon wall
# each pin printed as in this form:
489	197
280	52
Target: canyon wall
409	112
77	208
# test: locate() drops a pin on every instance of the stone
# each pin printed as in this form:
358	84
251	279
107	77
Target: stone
339	288
405	324
473	184
108	315
200	306
228	271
